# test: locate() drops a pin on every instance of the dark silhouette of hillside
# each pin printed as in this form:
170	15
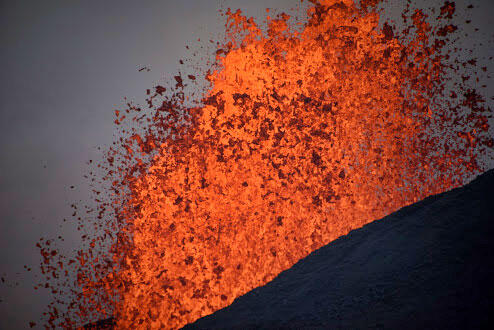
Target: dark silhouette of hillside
429	265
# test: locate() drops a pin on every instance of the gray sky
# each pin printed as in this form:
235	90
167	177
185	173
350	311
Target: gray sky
65	66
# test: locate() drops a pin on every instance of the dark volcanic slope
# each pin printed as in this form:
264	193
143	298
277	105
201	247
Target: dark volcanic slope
429	265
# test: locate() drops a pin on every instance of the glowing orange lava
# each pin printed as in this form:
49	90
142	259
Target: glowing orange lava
303	136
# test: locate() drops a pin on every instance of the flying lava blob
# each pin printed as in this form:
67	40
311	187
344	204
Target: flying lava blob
303	135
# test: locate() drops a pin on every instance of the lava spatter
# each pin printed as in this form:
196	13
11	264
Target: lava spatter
303	135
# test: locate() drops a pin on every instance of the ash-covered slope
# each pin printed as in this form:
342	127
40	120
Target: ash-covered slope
429	265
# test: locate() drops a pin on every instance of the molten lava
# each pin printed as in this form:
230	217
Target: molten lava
303	136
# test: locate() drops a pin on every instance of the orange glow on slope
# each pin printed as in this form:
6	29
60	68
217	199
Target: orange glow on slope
302	137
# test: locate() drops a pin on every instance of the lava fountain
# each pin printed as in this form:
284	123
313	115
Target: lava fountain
303	135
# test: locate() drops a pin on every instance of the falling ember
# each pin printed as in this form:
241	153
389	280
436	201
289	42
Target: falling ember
303	135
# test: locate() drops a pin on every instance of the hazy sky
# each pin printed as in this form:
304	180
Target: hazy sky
65	65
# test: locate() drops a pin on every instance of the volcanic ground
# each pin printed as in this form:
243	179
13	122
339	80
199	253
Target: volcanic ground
429	265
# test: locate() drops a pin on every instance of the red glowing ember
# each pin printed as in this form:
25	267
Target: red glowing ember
303	135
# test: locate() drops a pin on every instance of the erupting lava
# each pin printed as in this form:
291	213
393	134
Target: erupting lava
304	135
